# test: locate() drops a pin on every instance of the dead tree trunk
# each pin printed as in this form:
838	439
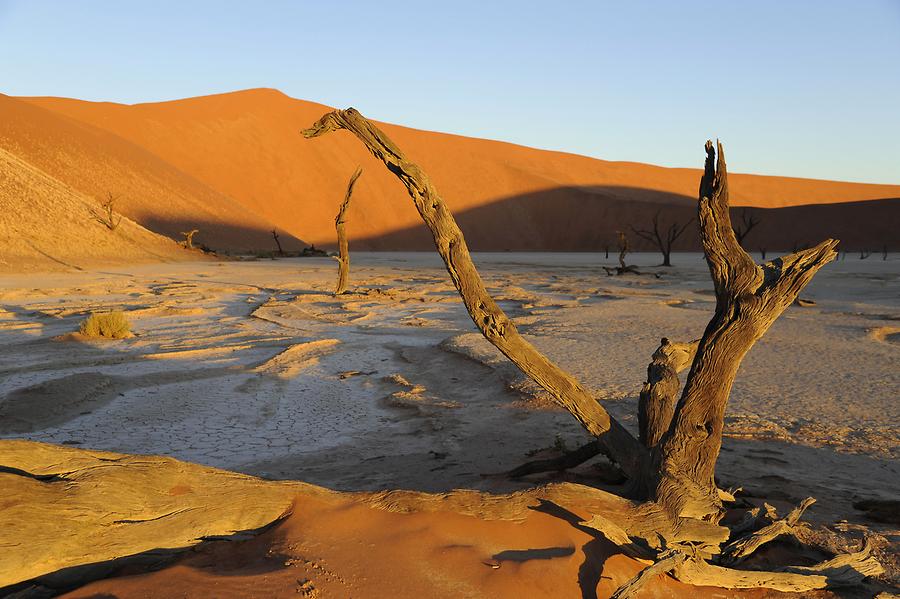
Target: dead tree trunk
188	242
343	257
656	404
663	242
277	242
748	300
487	316
623	251
108	218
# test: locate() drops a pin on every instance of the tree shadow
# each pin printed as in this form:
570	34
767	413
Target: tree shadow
596	551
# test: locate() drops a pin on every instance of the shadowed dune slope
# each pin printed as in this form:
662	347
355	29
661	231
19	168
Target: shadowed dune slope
555	218
93	162
246	146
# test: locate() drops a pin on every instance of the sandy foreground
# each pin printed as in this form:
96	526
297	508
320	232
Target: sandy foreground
255	367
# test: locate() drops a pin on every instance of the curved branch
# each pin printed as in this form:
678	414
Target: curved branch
487	316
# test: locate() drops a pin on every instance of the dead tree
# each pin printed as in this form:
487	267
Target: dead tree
343	256
884	253
748	222
680	517
863	254
188	242
108	218
663	240
762	253
277	242
623	251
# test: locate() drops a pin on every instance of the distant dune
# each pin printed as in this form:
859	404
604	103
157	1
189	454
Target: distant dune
235	166
47	225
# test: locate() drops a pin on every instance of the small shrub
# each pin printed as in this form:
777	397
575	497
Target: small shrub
112	325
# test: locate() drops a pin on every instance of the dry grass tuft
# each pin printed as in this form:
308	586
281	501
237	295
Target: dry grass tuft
112	325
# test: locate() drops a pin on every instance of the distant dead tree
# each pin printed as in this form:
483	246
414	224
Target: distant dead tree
108	218
340	220
623	251
884	253
277	242
748	222
663	240
863	254
679	525
188	242
762	253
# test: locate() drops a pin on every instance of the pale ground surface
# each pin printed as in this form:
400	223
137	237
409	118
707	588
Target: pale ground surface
255	367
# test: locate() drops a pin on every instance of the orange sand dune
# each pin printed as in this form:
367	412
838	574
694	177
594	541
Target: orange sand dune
332	546
94	162
246	146
47	225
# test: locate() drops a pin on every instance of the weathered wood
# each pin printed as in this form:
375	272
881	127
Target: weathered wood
740	548
651	526
340	220
692	568
487	316
663	566
66	507
844	570
748	300
656	404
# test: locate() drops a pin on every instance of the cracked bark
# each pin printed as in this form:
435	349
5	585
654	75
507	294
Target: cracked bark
656	404
748	300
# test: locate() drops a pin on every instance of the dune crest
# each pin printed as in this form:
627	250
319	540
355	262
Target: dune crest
242	157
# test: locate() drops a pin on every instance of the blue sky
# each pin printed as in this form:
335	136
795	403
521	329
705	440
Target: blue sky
805	88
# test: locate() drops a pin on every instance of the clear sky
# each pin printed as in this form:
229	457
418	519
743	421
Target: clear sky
806	88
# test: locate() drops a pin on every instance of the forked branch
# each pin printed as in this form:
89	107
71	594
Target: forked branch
749	298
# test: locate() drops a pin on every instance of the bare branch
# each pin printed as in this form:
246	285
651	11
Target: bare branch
487	316
343	248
